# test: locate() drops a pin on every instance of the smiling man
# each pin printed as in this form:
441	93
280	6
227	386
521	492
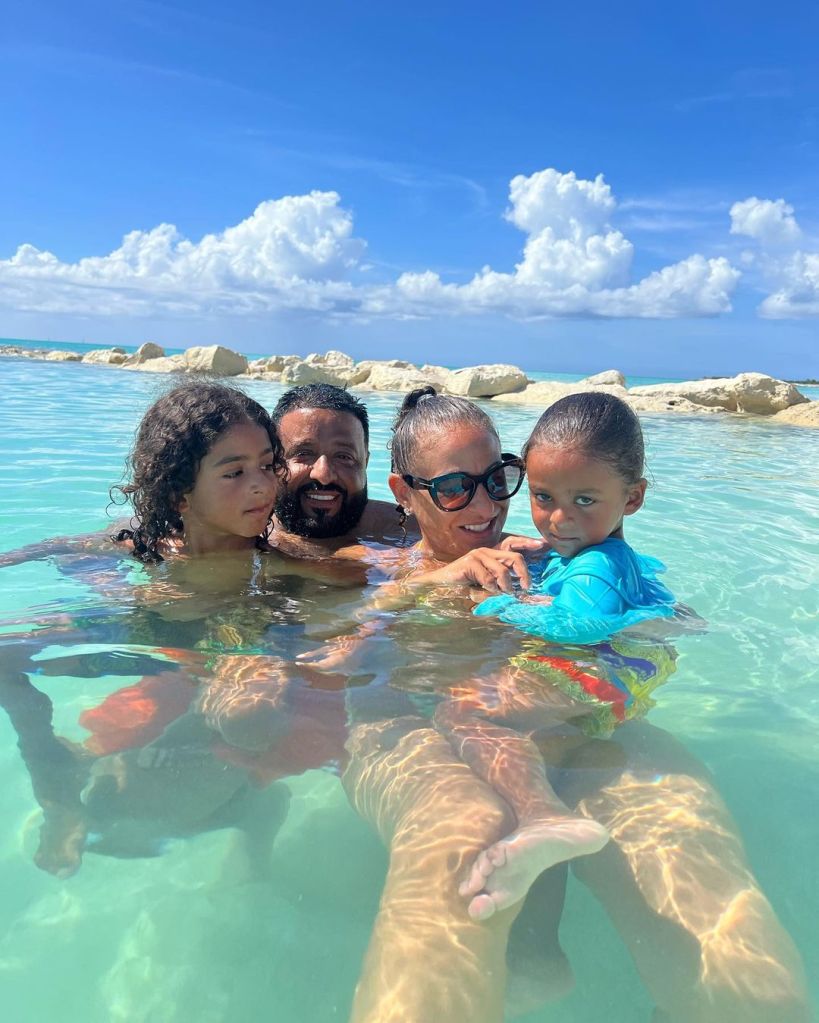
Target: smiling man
324	508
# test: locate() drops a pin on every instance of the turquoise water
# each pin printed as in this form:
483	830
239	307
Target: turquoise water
733	511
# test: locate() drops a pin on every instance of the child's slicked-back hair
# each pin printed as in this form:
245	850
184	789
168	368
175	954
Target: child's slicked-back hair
424	411
600	425
175	434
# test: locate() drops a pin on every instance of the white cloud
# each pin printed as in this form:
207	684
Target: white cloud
798	294
299	253
290	252
574	264
770	221
793	274
564	202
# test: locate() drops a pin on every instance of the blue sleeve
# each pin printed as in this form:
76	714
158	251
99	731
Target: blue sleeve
599	592
589	594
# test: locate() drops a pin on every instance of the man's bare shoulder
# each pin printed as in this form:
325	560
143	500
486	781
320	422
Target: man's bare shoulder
381	523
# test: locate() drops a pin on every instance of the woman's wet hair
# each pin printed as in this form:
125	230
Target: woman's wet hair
423	412
175	434
599	425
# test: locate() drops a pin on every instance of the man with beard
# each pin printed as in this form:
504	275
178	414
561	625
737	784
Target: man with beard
324	508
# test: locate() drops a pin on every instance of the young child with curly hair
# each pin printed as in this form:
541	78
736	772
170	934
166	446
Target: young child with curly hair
204	473
203	477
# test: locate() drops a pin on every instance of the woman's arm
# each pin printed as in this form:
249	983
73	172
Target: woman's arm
489	569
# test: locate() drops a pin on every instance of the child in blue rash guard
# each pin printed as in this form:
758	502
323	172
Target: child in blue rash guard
584	461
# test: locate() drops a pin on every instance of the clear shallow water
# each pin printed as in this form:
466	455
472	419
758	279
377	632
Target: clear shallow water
734	512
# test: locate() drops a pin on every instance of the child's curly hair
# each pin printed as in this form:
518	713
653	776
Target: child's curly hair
174	436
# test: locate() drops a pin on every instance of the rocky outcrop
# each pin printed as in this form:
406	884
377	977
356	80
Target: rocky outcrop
393	378
750	393
361	371
336	360
485	381
215	360
671	403
804	414
162	364
271	367
61	356
315	373
145	353
608	376
765	395
546	392
106	356
437	375
747	392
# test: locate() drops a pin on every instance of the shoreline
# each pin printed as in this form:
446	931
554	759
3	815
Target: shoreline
751	395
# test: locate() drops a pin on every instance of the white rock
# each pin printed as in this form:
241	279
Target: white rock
145	353
272	363
331	358
437	375
106	356
747	392
59	355
756	392
608	376
313	373
162	364
215	360
393	378
546	392
715	393
486	381
671	403
804	414
360	373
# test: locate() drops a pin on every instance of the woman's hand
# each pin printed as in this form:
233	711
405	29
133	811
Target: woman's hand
529	544
489	568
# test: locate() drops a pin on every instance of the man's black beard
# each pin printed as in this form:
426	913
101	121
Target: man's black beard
292	516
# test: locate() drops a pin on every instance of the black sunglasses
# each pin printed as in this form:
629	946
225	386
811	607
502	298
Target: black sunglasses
454	490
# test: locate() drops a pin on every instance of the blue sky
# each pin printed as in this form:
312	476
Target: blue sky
640	188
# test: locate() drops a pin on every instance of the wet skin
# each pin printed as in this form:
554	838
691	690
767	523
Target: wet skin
449	535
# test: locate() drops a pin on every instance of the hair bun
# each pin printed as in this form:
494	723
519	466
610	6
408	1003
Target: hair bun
417	395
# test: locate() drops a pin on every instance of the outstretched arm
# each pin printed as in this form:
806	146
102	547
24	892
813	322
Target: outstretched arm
59	545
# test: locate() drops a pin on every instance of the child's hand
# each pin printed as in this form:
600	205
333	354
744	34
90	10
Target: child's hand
526	544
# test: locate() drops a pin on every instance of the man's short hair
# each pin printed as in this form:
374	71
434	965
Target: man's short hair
322	396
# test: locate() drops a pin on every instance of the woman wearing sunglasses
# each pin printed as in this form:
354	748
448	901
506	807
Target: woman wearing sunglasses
458	486
427	958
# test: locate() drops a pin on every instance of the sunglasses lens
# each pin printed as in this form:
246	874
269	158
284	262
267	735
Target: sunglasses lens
455	492
503	483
